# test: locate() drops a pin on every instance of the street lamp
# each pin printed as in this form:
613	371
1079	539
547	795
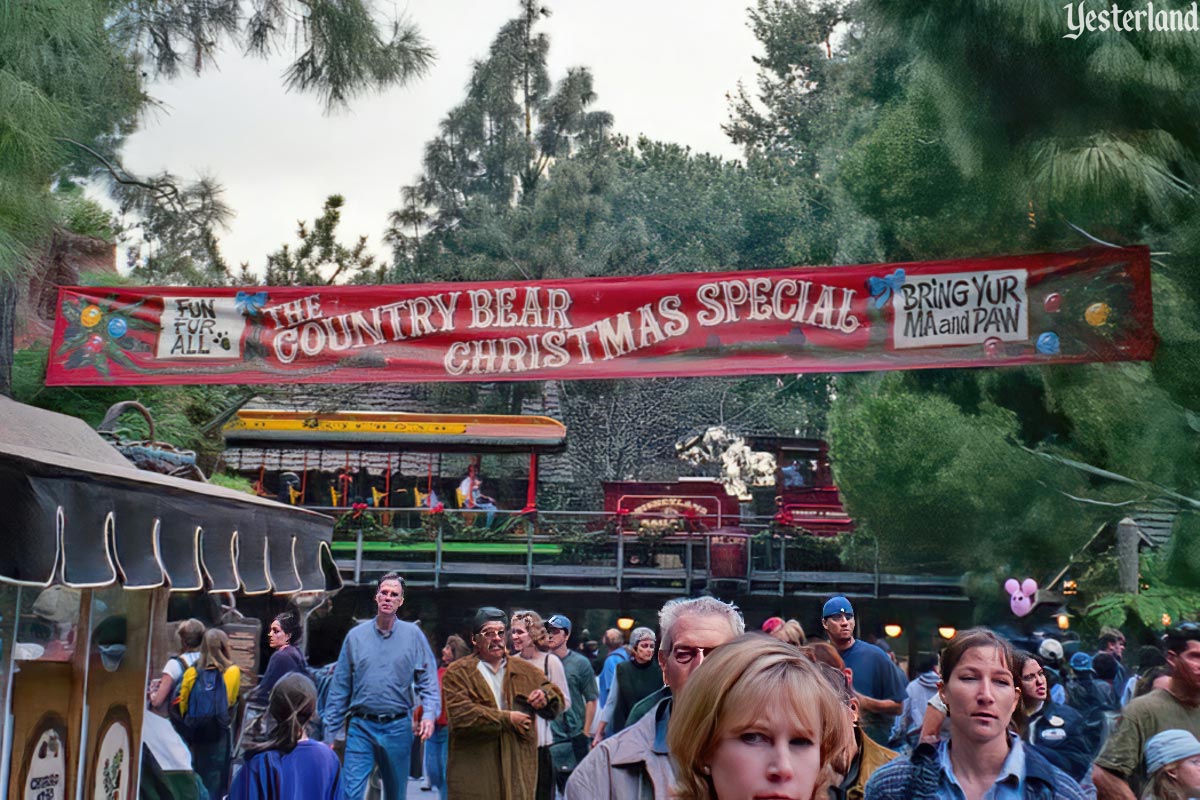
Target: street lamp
892	630
625	624
947	631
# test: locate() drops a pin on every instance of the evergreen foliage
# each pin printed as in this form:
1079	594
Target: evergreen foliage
953	147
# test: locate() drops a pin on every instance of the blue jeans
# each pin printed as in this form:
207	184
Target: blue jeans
436	751
490	508
388	744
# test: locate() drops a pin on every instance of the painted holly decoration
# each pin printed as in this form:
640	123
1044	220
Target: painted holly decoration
101	332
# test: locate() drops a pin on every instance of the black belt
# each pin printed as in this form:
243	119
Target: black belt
380	717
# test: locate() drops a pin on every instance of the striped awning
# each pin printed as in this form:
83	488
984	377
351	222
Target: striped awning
81	515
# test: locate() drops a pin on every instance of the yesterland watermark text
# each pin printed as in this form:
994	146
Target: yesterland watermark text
1081	19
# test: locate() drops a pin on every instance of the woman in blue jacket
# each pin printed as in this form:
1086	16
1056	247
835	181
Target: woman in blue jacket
982	755
288	766
1055	730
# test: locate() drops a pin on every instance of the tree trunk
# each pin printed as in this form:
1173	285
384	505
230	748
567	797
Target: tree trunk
8	323
1127	555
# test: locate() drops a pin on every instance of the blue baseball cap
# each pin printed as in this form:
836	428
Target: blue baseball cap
837	605
1081	662
559	622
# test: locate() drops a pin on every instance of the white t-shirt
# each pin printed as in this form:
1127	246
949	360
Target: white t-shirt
175	672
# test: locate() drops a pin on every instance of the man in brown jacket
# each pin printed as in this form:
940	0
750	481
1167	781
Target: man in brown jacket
490	702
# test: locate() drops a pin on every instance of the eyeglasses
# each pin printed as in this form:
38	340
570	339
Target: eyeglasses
685	655
492	633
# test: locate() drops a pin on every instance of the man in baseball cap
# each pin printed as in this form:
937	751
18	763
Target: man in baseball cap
571	739
879	683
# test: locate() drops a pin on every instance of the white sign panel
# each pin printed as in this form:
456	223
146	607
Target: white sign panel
201	328
961	308
112	764
47	776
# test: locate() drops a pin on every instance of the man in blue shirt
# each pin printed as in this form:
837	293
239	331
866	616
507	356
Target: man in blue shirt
380	660
878	682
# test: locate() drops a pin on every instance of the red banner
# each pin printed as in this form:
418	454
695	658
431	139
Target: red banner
1089	305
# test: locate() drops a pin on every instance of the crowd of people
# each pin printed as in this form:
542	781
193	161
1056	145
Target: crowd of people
698	710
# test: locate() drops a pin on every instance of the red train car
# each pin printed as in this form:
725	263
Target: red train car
805	495
654	504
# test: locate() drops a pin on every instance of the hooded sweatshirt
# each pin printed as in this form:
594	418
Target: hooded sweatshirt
916	699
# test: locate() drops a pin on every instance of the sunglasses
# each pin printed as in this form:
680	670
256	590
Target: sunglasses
491	634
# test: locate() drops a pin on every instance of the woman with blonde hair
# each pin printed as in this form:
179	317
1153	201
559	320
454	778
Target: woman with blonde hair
207	700
756	719
528	633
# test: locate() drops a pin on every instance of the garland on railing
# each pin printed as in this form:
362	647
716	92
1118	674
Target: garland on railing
348	526
454	527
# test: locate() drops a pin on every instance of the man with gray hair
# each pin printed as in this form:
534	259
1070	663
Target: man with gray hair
635	763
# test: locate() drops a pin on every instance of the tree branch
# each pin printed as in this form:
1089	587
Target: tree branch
168	192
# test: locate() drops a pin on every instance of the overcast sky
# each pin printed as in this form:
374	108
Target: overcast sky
661	67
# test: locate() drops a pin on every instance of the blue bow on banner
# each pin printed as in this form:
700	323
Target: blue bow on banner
881	288
249	304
